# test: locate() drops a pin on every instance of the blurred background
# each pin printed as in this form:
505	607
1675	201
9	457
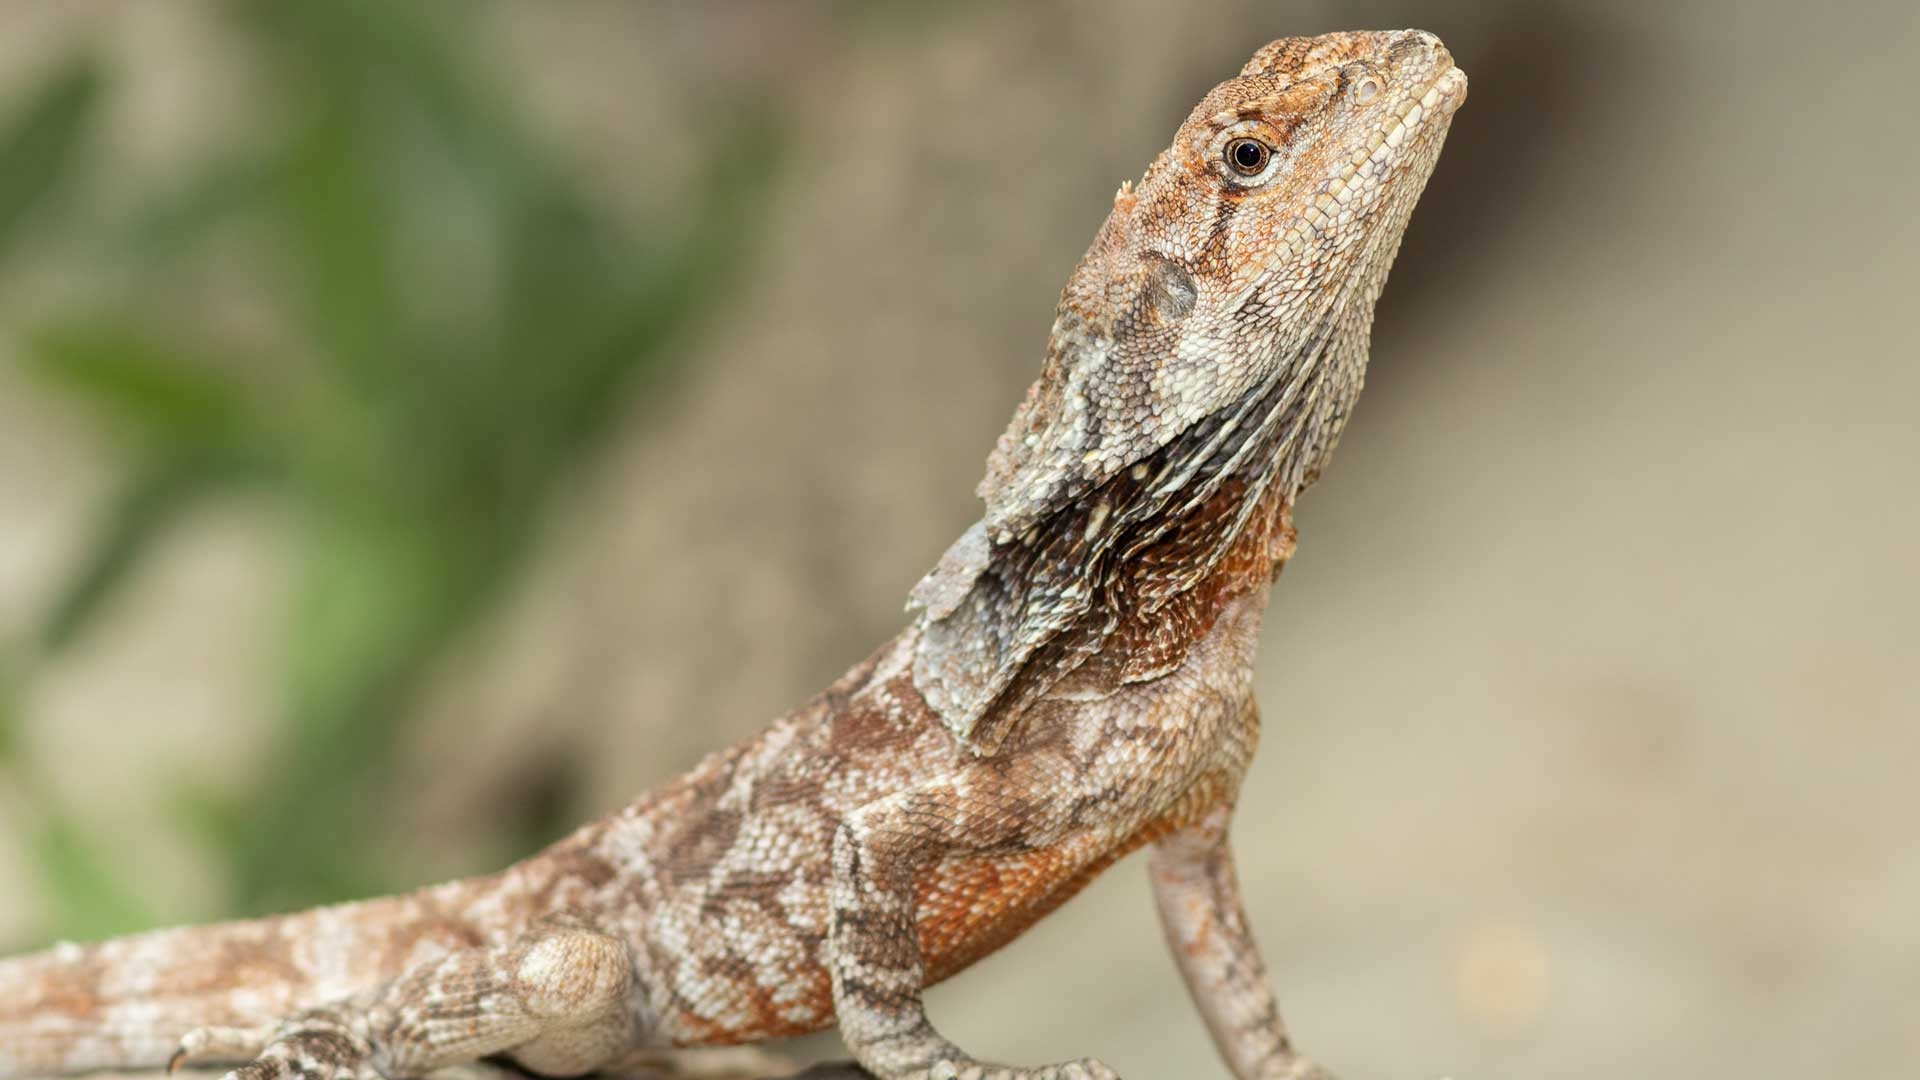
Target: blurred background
423	427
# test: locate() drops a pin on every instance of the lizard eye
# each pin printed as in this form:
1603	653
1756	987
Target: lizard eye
1247	154
1248	157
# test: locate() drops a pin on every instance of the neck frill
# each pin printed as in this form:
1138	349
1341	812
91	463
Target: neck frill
1115	586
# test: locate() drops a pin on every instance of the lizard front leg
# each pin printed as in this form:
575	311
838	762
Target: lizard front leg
873	944
557	1000
1206	926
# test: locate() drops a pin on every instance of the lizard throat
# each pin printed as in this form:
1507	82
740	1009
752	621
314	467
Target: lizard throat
1114	587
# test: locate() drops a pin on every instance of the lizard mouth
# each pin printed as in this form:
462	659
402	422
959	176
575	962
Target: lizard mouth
1447	92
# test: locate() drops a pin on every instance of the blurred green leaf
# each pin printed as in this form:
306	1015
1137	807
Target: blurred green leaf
187	422
139	384
339	231
40	146
91	901
377	595
217	192
9	711
148	502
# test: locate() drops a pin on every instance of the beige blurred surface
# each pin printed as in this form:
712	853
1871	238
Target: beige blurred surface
1593	697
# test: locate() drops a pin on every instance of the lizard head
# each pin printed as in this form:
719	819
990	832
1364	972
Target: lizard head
1215	330
1258	240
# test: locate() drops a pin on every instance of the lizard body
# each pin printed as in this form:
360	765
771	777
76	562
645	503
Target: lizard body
1076	685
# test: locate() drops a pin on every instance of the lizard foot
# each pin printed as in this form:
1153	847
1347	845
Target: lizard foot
1077	1069
220	1045
311	1048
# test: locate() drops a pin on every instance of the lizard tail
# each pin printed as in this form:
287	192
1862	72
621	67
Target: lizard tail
125	1003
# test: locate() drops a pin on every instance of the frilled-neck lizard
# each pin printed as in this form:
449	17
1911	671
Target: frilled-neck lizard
1076	684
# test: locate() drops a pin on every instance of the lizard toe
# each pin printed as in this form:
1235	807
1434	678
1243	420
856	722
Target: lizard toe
211	1045
310	1050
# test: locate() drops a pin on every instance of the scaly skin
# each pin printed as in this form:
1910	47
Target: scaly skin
1076	684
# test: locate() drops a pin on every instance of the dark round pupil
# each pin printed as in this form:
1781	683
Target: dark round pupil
1248	155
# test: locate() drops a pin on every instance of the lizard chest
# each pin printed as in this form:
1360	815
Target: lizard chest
967	908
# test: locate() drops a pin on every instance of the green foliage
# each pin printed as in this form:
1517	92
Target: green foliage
92	901
184	427
9	713
40	147
458	325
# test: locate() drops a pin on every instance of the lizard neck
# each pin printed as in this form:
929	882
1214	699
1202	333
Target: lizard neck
1157	605
1113	589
